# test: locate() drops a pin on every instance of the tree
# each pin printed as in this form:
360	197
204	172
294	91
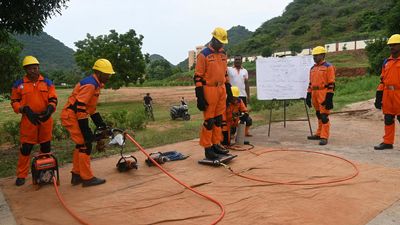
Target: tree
295	48
21	16
24	16
266	51
10	66
159	69
377	50
123	51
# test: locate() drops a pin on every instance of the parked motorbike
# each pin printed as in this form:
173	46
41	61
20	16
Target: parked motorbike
180	111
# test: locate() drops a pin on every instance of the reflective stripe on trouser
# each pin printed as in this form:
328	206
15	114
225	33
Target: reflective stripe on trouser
216	99
388	138
23	165
81	165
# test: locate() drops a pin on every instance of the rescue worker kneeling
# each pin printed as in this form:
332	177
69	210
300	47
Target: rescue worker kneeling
235	111
35	98
74	117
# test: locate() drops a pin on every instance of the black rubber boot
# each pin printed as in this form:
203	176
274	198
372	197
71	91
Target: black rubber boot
323	141
210	154
383	146
76	179
219	149
20	181
314	137
92	182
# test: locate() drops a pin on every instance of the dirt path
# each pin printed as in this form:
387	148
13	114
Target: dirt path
147	196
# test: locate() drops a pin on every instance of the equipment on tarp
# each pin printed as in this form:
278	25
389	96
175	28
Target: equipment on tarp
125	162
44	167
156	156
162	157
220	161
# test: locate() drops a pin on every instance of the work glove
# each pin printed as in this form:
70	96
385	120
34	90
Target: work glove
32	117
308	100
45	115
229	95
86	131
201	101
244	117
328	103
378	99
98	121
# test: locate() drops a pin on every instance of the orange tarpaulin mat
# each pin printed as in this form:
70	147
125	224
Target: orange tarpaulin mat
147	196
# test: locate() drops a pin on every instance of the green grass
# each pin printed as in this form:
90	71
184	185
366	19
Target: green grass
165	131
348	59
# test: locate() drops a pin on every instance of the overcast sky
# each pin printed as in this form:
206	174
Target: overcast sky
170	27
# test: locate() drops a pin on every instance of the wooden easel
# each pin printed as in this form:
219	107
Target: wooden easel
284	114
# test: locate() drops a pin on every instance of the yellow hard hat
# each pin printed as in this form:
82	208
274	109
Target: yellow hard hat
103	65
394	39
318	50
221	35
30	60
235	91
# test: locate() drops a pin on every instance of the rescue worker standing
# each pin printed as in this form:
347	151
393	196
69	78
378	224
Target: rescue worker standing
74	117
35	98
320	93
212	88
235	110
388	92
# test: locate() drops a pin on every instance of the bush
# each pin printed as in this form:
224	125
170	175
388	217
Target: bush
377	51
123	119
59	132
11	127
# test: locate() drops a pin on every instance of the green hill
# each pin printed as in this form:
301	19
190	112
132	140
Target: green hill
52	54
237	35
314	22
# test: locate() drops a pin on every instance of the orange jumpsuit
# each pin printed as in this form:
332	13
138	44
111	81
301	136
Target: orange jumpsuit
80	105
37	95
231	116
322	81
390	85
211	74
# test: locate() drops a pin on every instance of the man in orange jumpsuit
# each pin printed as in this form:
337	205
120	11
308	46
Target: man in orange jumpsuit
74	117
388	92
212	88
35	98
235	110
320	93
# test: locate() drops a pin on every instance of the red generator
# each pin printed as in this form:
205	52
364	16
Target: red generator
44	168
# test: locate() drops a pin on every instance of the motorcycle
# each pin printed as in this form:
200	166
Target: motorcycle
180	111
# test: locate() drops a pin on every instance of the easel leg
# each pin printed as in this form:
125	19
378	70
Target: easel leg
308	117
284	113
270	117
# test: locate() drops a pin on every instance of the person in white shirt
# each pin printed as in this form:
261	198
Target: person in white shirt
239	77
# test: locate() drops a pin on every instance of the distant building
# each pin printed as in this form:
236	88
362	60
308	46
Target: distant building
193	55
192	58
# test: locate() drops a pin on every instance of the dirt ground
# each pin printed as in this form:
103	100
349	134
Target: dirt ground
147	196
164	95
